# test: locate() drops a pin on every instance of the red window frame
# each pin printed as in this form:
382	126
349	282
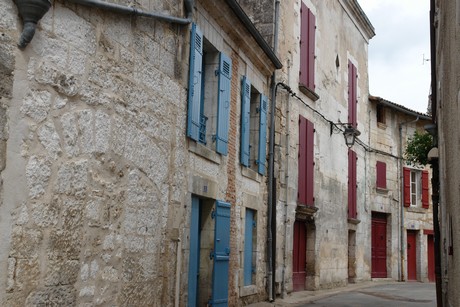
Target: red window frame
381	175
306	162
352	184
307	48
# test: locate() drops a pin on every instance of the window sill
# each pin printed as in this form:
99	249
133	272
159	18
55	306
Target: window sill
309	93
251	174
353	221
248	290
381	125
416	209
204	152
381	190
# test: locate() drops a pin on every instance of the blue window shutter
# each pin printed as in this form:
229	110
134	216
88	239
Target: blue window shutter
262	135
221	255
223	103
195	83
194	260
245	106
248	247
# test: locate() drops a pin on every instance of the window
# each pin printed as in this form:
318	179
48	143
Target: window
381	174
416	188
381	114
352	94
253	127
307	52
249	251
306	162
209	93
352	161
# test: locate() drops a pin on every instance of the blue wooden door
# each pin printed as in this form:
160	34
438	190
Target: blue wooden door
221	255
194	260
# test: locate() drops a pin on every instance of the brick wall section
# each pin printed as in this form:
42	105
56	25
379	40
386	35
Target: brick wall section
231	189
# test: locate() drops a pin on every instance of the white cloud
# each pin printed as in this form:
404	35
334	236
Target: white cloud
396	68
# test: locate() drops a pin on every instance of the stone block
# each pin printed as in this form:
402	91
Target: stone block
36	105
62	272
45	214
49	138
102	127
70	134
64	244
25	243
60	79
72	178
52	296
38	172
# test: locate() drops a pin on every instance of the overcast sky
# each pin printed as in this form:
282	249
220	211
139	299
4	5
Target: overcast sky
397	71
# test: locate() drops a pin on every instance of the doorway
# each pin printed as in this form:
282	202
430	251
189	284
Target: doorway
379	245
209	252
411	255
299	256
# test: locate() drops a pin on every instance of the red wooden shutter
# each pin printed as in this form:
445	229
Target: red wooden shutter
310	199
306	162
425	199
381	175
352	94
302	163
352	212
307	48
406	180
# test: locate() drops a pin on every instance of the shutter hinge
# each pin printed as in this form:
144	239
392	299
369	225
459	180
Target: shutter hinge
211	255
213	214
254	224
217	72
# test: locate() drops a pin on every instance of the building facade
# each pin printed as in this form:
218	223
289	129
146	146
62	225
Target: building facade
445	42
402	244
122	181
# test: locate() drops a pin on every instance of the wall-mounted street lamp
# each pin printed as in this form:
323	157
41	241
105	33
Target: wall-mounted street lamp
350	133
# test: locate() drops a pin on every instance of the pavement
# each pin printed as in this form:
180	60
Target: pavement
380	293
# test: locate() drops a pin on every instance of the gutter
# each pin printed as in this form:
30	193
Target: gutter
128	10
239	12
399	108
435	182
271	164
32	11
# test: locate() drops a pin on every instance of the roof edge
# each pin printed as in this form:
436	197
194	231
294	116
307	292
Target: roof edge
239	12
360	17
398	107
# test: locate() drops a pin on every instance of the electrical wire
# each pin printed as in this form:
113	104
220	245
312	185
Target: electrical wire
333	125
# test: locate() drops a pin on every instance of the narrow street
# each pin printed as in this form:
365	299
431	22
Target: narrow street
395	294
374	294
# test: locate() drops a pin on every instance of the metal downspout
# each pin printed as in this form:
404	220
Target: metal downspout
286	204
271	161
435	184
127	10
401	199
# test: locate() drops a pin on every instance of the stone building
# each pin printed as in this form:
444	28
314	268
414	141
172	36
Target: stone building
445	97
322	211
402	241
122	181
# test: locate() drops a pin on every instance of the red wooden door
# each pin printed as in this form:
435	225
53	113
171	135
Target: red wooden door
299	256
379	245
411	255
431	275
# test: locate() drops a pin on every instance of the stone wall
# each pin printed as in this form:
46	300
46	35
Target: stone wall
92	108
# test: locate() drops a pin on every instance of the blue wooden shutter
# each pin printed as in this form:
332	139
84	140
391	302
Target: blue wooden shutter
194	258
221	255
223	103
194	83
248	247
262	135
245	106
